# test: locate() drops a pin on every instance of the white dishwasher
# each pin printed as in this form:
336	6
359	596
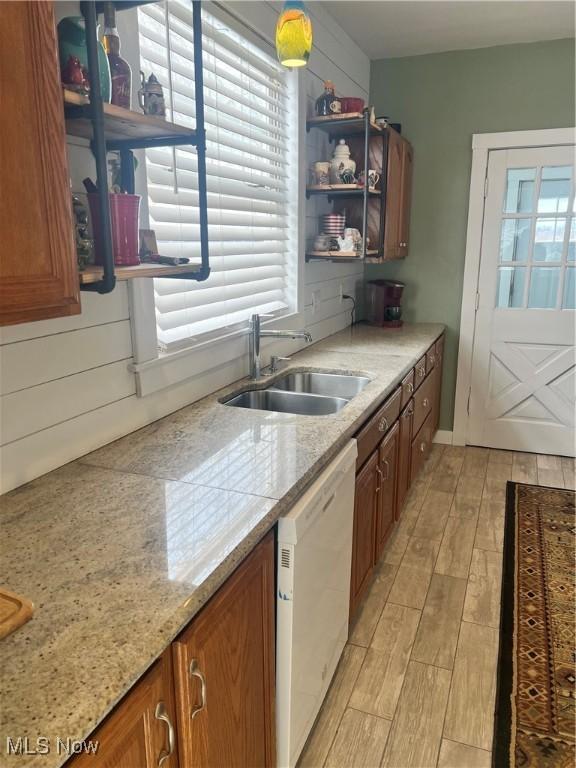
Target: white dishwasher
314	563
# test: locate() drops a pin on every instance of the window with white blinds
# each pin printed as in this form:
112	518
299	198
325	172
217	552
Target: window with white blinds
250	175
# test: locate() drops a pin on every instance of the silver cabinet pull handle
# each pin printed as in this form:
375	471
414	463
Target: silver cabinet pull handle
195	672
383	424
421	371
161	713
409	412
432	359
380	478
410	387
387	475
422	447
425	402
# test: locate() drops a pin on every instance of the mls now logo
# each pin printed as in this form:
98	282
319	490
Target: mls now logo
23	745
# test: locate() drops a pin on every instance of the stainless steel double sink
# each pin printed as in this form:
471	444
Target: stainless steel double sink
306	393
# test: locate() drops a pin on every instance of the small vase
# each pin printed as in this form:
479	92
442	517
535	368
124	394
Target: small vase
72	42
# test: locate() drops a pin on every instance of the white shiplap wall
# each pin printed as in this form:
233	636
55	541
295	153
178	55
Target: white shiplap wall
65	385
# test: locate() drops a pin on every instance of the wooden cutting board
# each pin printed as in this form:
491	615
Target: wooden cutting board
14	611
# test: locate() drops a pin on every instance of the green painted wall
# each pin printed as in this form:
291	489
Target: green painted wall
441	100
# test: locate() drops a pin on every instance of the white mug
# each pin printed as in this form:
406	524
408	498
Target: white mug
373	178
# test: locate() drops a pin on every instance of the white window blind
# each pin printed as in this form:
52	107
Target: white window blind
249	175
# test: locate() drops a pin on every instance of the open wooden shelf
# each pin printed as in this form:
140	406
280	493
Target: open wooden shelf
120	124
93	274
350	122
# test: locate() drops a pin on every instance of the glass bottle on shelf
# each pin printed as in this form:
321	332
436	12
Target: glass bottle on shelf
121	74
328	103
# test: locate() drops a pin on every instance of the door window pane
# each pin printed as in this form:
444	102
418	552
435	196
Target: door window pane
515	239
549	239
572	241
510	292
555	189
519	190
543	287
569	301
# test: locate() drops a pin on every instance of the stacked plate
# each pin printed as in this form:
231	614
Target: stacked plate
333	223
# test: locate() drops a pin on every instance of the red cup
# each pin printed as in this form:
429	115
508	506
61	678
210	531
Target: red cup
124	214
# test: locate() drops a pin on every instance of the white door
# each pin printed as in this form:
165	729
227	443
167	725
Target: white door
523	383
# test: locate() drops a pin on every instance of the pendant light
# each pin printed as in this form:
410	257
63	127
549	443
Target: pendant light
293	35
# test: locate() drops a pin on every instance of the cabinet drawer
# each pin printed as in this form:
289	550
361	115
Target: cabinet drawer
421	446
384	418
423	401
419	372
407	387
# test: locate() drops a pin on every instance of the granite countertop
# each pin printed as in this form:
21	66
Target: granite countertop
120	549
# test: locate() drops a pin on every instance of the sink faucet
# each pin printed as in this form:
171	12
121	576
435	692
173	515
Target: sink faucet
255	334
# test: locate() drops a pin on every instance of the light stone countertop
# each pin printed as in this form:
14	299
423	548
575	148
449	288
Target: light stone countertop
120	549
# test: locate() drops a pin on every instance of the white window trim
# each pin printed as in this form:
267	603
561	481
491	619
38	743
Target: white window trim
156	370
482	144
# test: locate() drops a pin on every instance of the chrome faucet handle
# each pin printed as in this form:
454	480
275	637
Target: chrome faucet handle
274	360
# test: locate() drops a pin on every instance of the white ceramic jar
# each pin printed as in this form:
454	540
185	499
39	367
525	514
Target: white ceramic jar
342	166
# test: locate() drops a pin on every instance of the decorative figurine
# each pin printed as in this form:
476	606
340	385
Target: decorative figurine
84	245
151	96
74	77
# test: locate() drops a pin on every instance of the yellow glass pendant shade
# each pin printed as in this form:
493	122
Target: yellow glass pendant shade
293	35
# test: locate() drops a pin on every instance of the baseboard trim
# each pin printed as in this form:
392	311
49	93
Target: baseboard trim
443	436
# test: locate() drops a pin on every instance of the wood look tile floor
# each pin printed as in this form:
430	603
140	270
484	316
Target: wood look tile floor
415	687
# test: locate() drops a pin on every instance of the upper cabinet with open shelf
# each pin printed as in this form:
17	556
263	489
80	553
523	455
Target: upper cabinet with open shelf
39	276
381	213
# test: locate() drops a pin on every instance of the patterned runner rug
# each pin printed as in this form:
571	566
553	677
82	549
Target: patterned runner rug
535	707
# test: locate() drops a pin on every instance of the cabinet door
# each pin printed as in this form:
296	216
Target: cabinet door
38	273
224	672
393	196
140	732
404	456
406	198
387	469
365	509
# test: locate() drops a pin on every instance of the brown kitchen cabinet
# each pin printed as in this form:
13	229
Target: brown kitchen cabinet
38	269
365	511
398	196
141	732
387	478
208	701
393	446
224	672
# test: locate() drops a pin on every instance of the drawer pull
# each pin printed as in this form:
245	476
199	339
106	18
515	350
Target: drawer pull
195	672
409	412
162	714
380	479
383	424
421	372
432	359
410	387
422	447
425	402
